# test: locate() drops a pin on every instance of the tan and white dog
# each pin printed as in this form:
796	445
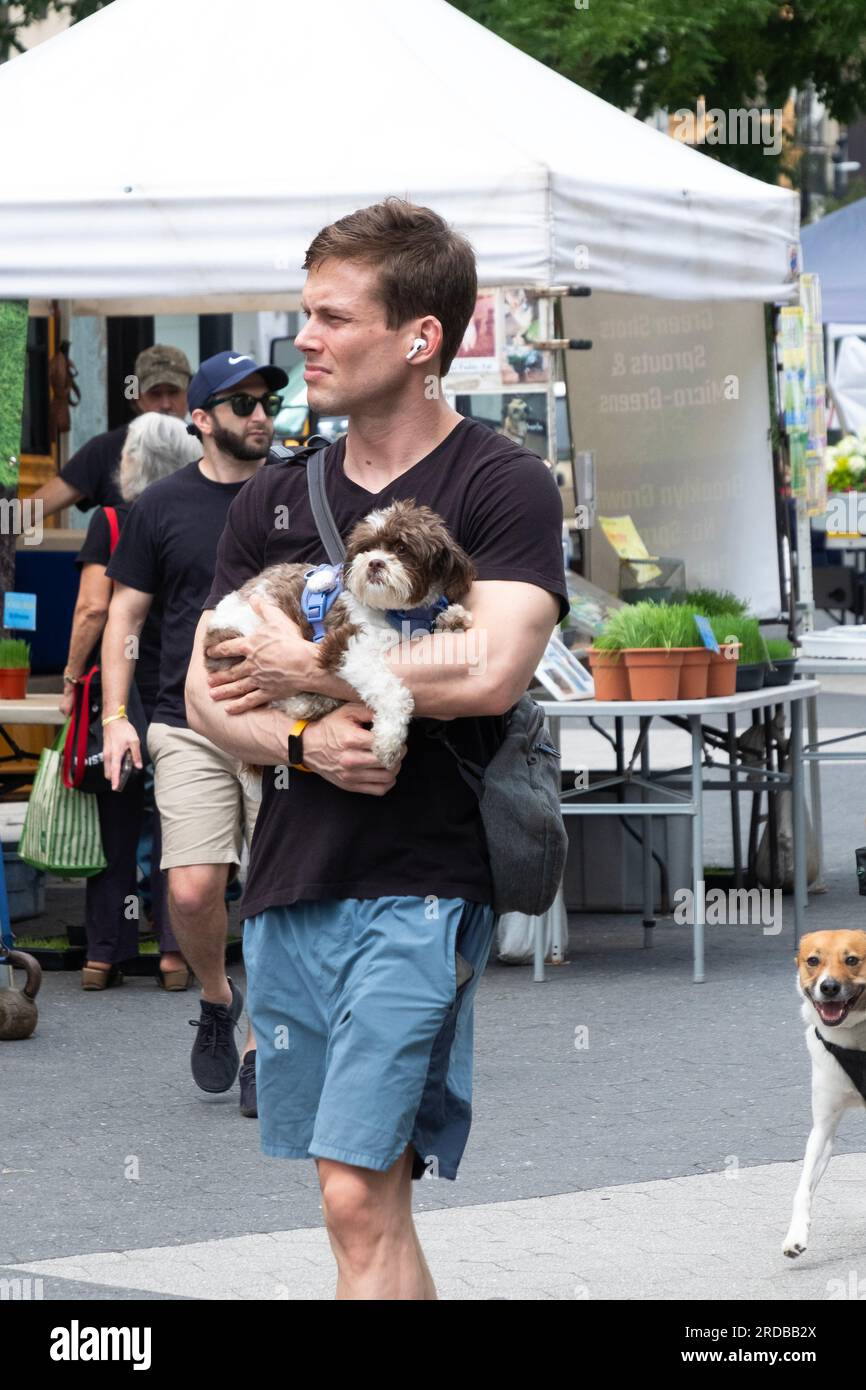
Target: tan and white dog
832	983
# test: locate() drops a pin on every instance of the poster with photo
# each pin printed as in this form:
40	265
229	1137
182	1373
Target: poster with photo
520	417
523	324
478	354
560	672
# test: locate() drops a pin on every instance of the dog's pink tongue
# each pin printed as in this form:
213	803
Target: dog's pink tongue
831	1013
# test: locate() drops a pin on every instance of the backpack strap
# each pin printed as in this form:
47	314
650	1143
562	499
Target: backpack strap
322	514
113	526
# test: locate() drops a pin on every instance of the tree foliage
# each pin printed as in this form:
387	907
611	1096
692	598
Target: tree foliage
646	55
15	18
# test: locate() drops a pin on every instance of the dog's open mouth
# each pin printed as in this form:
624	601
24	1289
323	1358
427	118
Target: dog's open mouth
833	1011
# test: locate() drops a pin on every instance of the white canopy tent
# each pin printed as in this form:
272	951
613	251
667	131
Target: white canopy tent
205	144
188	152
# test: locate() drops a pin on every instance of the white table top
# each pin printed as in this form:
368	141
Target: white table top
832	665
722	704
33	709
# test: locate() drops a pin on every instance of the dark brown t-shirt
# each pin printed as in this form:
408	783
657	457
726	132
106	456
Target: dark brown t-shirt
313	840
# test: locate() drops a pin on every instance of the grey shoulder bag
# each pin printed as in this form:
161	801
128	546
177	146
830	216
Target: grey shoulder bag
519	789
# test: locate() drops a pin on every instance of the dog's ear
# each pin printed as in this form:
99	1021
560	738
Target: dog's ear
456	573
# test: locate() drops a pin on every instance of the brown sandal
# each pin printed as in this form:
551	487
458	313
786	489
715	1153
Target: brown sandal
174	979
92	977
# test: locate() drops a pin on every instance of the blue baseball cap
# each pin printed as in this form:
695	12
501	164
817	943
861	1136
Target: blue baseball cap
226	369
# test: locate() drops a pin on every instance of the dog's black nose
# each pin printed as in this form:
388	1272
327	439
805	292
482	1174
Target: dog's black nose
375	565
830	987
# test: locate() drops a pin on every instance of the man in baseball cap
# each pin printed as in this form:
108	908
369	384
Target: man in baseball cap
159	384
162	366
207	802
217	375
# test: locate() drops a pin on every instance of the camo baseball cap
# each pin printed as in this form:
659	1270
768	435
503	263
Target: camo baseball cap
162	366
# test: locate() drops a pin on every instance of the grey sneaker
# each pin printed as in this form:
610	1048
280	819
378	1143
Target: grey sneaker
214	1053
247	1078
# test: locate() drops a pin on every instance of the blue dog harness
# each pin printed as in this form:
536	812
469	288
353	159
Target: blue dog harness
323	586
419	619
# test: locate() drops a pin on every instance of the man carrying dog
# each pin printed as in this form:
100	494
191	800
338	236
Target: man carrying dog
368	901
207	800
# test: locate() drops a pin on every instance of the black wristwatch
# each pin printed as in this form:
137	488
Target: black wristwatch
296	746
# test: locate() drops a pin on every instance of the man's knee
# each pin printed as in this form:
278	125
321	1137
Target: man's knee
349	1204
359	1205
197	888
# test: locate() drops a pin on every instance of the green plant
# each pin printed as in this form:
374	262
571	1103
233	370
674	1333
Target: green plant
648	625
779	648
683	628
43	943
710	602
745	630
14	654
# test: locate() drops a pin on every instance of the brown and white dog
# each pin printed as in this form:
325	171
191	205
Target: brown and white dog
401	557
832	983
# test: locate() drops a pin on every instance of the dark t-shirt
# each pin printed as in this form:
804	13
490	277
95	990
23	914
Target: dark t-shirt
168	548
92	470
424	836
96	550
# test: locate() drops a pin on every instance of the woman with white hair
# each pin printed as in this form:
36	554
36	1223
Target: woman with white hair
155	446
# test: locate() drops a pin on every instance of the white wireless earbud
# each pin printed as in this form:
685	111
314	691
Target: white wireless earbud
418	346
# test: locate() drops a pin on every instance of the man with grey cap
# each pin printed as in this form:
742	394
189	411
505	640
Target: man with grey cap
162	375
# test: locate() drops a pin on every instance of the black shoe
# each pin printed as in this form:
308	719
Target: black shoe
247	1078
214	1054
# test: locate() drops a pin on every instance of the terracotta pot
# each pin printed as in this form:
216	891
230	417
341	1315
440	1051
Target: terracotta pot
653	672
13	682
722	670
694	673
610	675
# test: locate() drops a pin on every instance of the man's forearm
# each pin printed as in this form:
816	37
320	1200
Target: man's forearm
447	673
117	669
450	677
259	737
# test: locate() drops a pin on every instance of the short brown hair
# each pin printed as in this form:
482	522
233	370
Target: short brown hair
425	267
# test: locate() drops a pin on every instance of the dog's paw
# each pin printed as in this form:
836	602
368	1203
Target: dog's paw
455	618
795	1242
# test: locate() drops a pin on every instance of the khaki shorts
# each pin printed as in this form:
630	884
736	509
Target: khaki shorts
207	800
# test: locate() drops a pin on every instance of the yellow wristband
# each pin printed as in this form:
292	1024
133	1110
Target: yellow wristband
298	728
121	714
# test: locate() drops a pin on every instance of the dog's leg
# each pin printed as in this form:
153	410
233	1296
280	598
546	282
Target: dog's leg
454	618
364	667
825	1121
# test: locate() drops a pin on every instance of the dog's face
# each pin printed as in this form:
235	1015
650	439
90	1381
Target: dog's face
517	413
832	974
402	557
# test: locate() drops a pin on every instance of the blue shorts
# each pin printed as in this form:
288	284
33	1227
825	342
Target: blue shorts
363	1032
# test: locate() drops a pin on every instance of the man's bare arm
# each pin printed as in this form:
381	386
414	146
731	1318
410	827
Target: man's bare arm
55	495
337	747
260	738
483	671
126	617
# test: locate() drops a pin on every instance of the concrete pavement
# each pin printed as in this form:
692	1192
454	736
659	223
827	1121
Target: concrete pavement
591	1173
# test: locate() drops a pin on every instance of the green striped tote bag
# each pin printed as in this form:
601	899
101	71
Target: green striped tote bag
61	828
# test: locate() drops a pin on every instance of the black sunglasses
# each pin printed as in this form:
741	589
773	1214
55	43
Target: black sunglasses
242	403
